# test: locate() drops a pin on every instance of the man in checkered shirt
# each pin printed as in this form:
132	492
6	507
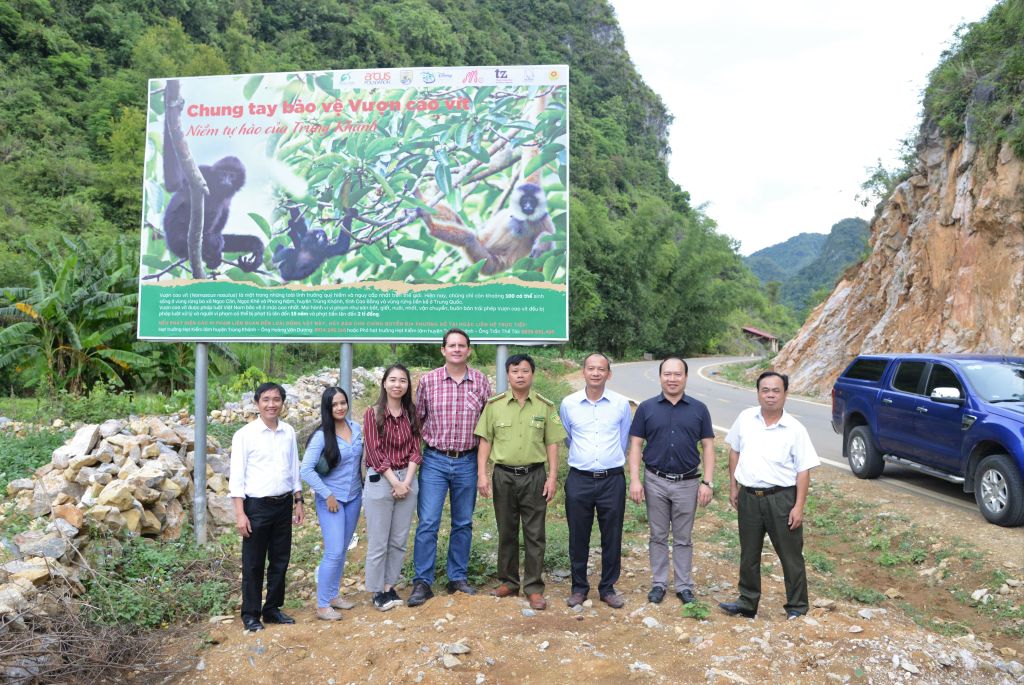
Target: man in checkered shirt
449	401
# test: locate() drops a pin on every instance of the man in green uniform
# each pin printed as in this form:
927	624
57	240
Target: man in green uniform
518	431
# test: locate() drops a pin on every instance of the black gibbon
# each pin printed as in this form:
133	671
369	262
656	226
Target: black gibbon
310	248
225	178
510	235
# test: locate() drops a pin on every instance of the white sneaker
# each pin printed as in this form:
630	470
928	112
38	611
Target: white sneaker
327	614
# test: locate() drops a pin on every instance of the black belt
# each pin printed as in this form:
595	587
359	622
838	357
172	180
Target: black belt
519	470
598	474
761	492
674	477
274	498
453	454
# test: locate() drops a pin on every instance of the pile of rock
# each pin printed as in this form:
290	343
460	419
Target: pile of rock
133	475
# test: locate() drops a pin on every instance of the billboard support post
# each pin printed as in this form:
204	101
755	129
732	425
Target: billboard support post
345	370
500	374
199	458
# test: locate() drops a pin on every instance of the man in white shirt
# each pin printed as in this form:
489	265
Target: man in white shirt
770	458
597	421
264	483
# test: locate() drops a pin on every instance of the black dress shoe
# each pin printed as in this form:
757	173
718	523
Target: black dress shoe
277	616
421	592
733	609
251	623
460	586
656	594
793	613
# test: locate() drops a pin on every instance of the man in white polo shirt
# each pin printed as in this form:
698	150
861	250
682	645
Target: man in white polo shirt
770	458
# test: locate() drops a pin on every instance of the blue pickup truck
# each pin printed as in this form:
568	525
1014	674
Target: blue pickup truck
956	417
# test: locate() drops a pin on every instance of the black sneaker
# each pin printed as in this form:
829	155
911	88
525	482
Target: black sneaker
395	598
656	594
421	592
383	601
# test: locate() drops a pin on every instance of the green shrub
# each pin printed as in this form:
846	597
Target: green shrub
19	457
152	583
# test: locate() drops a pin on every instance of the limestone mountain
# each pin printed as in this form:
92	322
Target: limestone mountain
781	261
946	268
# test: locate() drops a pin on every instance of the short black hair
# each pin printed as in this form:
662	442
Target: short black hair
519	359
264	387
602	355
686	367
464	334
769	374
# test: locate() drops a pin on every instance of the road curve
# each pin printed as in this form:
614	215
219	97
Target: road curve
639	380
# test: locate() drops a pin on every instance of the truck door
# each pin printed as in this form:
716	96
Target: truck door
897	408
938	429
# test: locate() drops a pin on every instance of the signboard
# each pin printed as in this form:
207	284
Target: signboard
387	204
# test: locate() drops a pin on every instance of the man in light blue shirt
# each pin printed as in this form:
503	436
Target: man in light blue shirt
597	421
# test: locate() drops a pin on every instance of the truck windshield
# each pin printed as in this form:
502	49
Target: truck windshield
997	381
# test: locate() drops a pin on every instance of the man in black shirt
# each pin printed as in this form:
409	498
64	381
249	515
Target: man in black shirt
672	424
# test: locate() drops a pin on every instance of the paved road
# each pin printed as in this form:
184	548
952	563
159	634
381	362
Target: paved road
639	380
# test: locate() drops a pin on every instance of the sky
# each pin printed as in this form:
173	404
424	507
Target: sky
782	107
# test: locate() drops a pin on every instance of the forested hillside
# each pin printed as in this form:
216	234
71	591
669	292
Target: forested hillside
800	272
781	261
648	271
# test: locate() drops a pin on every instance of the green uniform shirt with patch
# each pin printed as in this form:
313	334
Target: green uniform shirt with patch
519	435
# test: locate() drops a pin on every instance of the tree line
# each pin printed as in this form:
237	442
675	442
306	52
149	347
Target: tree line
648	270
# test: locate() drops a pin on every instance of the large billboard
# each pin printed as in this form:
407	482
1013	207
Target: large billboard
387	204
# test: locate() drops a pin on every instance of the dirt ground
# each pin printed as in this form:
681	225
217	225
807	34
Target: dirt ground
656	643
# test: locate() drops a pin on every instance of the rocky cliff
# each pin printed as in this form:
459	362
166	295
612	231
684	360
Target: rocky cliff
945	272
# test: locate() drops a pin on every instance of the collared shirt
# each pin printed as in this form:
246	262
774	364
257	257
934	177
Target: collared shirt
264	461
345	480
448	409
770	456
672	432
519	435
598	431
393	449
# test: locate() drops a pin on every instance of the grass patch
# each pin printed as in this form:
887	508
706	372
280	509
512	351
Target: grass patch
20	457
843	589
696	610
819	561
150	584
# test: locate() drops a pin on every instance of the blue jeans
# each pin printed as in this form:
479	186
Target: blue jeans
337	529
440	474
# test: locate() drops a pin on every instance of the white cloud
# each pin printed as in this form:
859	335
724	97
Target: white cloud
781	107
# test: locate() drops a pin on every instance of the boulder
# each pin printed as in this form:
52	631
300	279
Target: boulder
133	520
35	570
145	495
14	597
82	443
174	517
151	475
111	427
19	484
217	483
170	489
150	523
62	527
37	544
117	494
109	518
71	514
76	464
220	509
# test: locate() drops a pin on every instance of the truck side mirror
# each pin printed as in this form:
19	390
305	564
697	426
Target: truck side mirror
947	395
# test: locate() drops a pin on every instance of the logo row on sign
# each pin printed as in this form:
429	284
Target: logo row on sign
476	76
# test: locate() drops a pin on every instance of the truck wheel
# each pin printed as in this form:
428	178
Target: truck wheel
999	490
865	461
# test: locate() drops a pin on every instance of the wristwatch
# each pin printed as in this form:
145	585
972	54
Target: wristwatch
704	482
298	498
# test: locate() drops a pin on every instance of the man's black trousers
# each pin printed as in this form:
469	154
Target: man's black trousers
268	545
585	495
